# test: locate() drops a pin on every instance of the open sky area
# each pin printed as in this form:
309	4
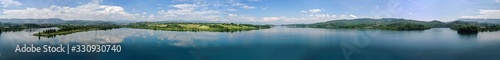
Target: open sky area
249	11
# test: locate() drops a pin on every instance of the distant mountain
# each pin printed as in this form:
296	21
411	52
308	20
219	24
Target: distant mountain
85	22
124	22
495	21
369	23
461	25
35	21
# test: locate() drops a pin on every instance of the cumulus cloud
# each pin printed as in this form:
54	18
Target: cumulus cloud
232	15
353	16
151	17
232	10
7	3
90	11
486	14
183	11
271	19
311	18
189	12
205	11
315	10
241	5
96	11
240	18
312	11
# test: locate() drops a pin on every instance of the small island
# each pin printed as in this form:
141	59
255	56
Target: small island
214	27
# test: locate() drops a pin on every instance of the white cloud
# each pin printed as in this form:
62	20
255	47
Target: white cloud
151	17
7	3
303	11
497	0
89	11
353	16
486	14
195	11
272	19
189	12
232	10
247	7
241	5
185	6
312	11
312	18
240	18
202	10
264	8
232	15
315	10
95	11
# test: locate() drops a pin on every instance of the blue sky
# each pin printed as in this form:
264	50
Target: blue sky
249	11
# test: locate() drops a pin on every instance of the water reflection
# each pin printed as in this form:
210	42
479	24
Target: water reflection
113	36
32	29
471	36
468	33
278	43
199	39
84	38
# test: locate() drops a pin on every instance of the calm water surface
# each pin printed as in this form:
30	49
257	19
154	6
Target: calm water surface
278	43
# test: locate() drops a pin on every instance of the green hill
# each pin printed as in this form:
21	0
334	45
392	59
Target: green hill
402	24
368	23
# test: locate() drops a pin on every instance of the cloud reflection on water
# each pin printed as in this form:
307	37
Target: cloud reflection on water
110	37
318	37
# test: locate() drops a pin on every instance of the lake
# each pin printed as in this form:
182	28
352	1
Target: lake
277	43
